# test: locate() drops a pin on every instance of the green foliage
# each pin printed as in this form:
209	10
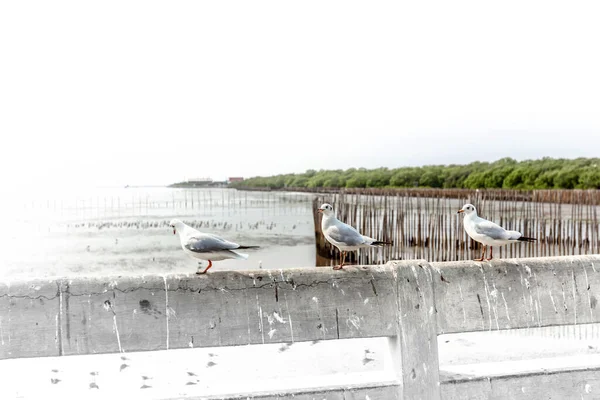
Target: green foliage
567	178
431	177
378	178
546	173
590	177
406	177
357	180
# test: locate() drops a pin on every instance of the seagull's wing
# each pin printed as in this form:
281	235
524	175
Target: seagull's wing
345	234
492	230
203	243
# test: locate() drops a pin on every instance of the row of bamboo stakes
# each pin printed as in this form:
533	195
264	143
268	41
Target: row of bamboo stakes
225	201
564	196
422	226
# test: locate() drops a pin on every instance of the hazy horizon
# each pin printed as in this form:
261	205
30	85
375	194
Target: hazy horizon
92	185
149	93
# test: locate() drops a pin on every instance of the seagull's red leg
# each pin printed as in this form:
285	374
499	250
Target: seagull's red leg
207	268
491	250
342	258
482	254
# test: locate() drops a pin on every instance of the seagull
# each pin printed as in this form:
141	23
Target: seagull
342	235
488	233
206	246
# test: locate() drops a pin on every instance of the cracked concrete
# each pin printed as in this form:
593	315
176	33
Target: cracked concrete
217	309
504	293
410	302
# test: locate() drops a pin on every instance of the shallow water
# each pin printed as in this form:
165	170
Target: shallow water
123	231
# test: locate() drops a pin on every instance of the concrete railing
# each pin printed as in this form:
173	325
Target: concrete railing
410	302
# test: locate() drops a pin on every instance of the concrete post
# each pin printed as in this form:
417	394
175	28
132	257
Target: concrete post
415	346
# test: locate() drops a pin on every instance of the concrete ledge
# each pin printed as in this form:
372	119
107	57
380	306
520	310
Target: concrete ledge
124	314
118	314
350	369
30	319
516	293
409	303
354	368
580	383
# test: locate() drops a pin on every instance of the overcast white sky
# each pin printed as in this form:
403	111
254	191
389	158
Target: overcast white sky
146	92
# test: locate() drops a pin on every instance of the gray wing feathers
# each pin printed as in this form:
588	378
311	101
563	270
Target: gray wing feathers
513	235
369	240
345	234
493	230
208	243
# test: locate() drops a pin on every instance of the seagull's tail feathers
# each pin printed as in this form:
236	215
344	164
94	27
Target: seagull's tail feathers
239	256
382	243
516	236
526	239
373	242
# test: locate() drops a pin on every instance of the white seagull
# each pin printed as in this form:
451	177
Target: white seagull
342	235
206	246
488	233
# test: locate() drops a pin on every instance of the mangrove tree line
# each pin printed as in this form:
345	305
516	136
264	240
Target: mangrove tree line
546	173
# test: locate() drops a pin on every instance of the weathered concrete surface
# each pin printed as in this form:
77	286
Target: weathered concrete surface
415	346
356	369
124	314
516	293
581	383
410	302
87	316
30	319
494	365
388	392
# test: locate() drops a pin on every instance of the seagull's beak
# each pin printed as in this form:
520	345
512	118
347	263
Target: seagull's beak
320	210
460	211
174	231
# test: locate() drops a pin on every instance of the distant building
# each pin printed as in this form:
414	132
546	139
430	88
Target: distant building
199	180
199	183
235	179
